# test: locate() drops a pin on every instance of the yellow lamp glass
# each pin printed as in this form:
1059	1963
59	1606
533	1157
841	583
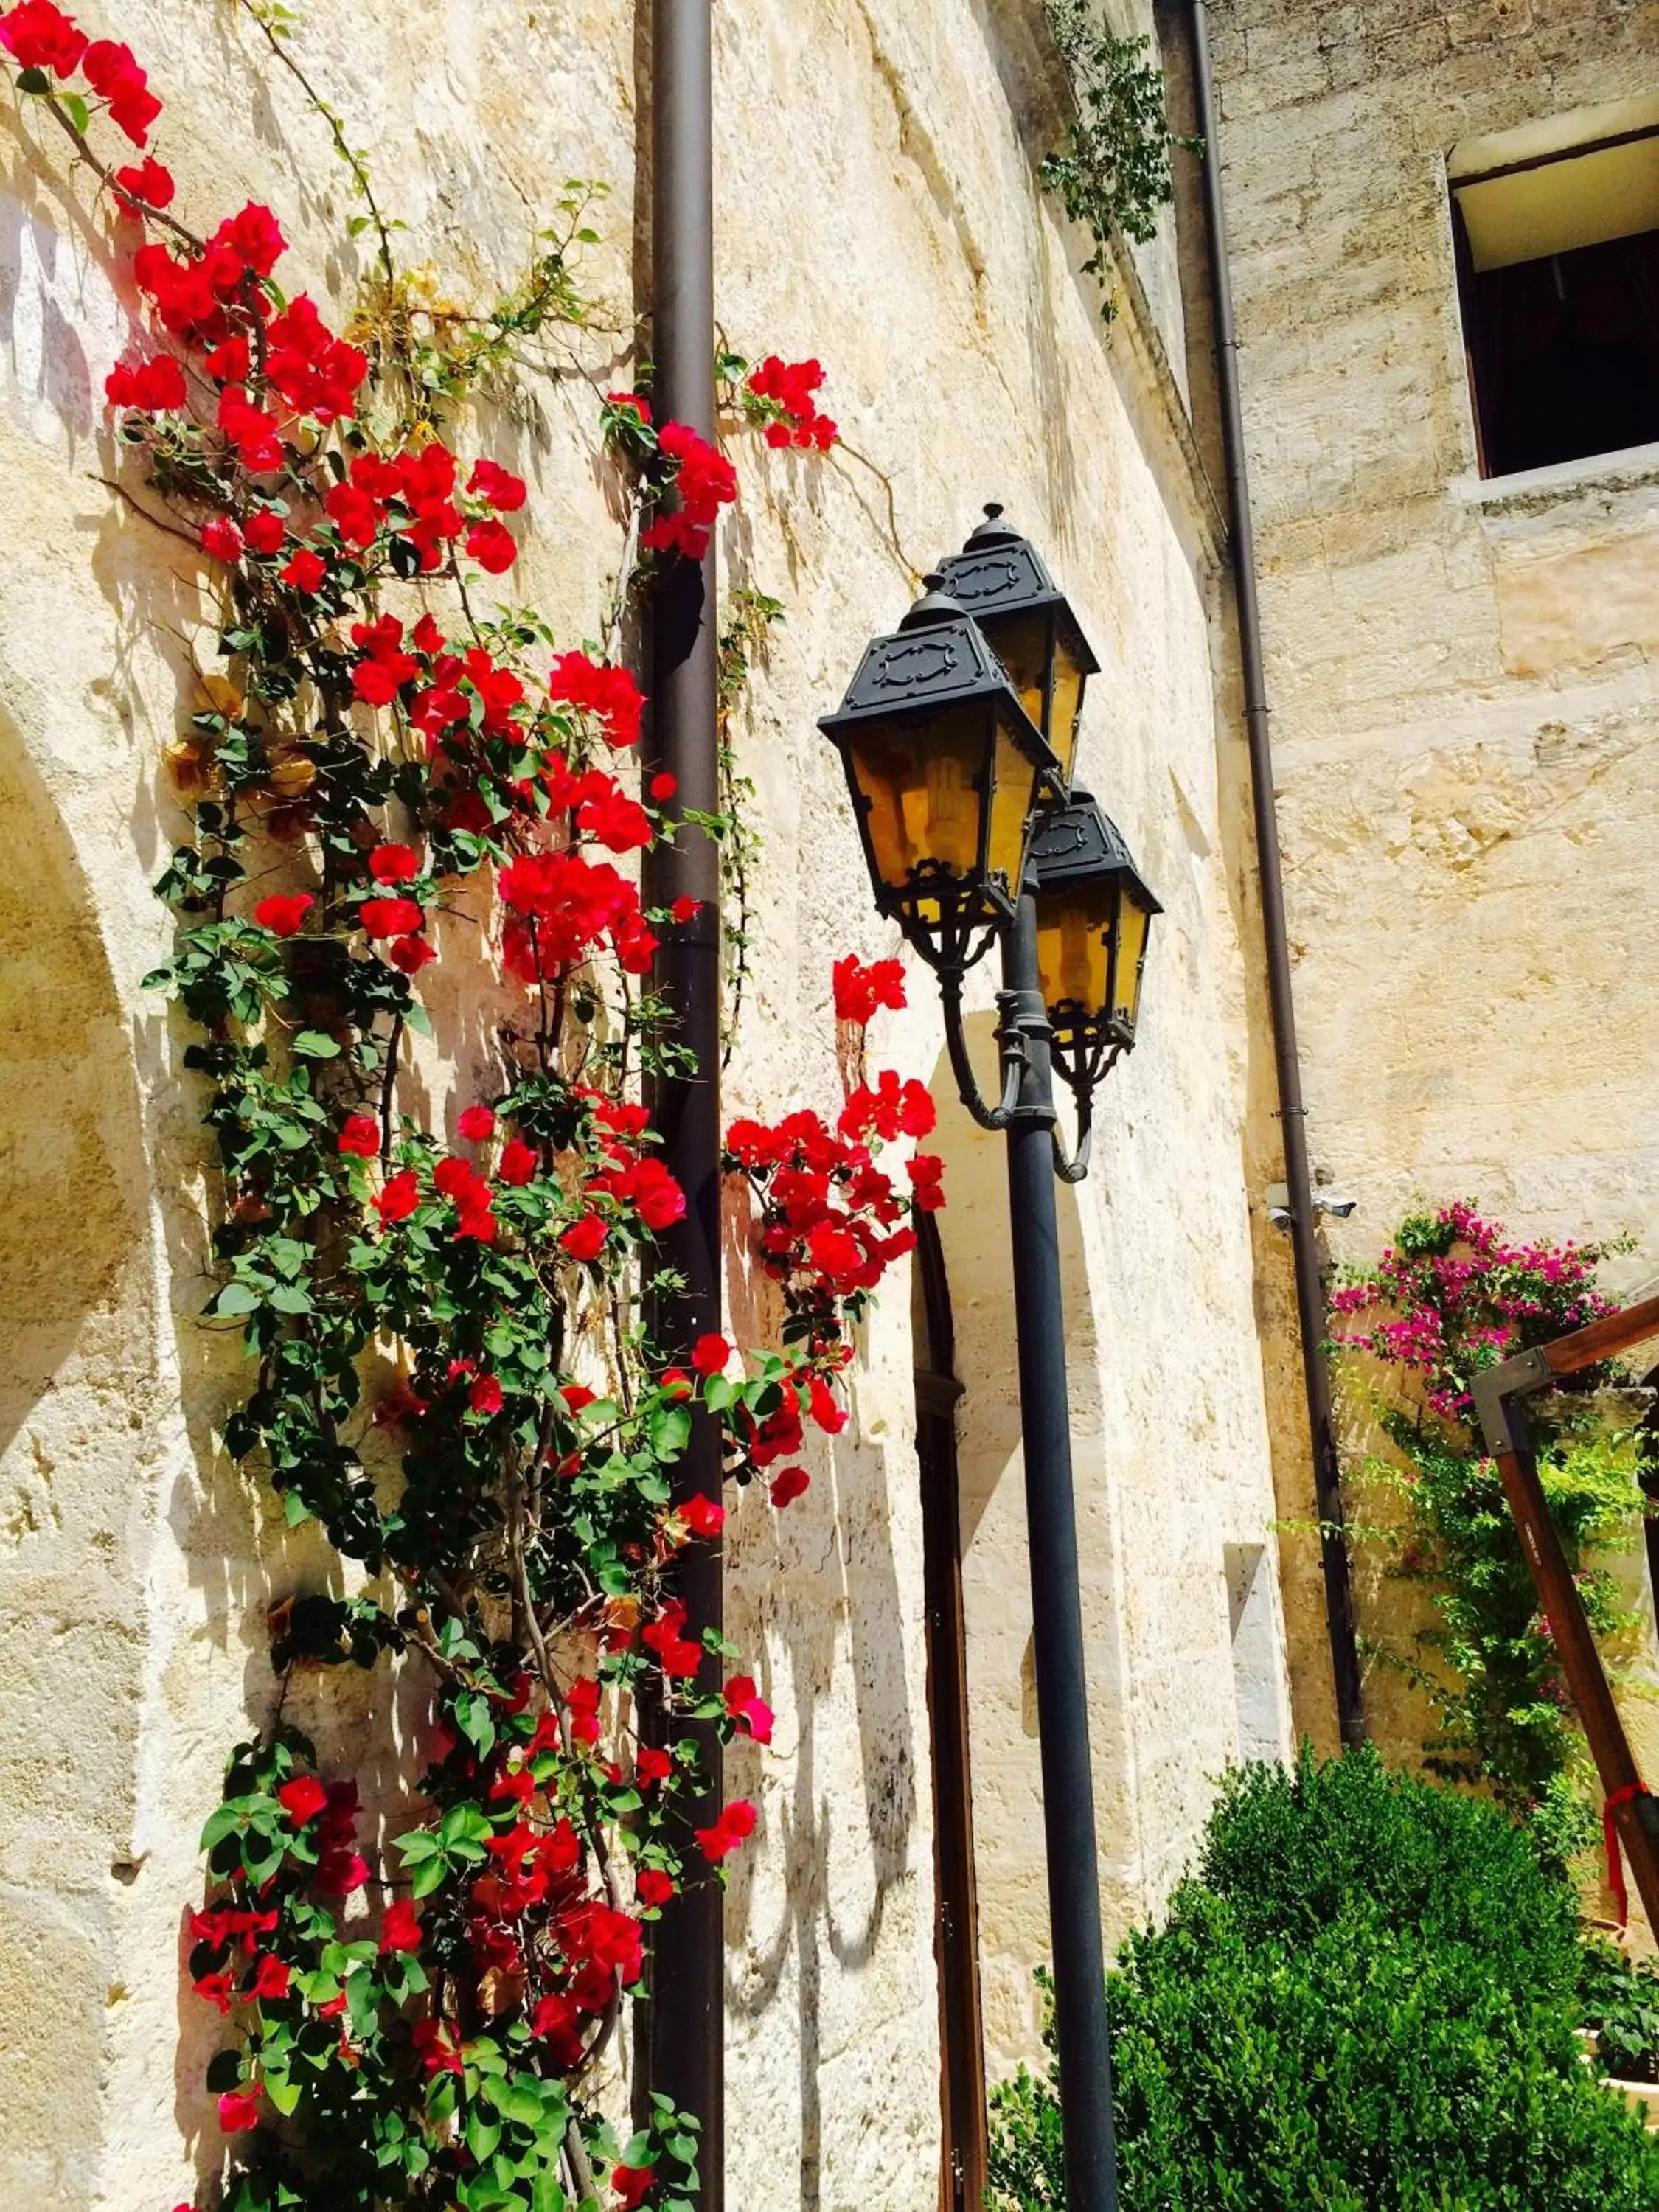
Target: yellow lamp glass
1029	642
1091	950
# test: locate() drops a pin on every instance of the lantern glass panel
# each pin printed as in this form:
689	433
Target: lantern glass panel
1013	797
924	785
1074	935
1134	923
1020	642
1066	707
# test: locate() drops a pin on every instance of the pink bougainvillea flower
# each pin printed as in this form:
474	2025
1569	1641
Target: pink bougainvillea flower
284	911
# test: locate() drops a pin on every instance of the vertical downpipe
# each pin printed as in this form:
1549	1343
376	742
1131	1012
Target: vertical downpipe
687	2012
1309	1289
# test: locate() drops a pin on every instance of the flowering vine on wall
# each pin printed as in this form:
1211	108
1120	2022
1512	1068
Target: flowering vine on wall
450	1371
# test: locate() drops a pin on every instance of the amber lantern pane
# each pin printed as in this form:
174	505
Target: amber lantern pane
1013	796
923	785
1074	931
1067	706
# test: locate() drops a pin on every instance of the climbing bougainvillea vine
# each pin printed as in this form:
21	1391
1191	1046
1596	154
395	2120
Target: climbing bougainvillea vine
451	1375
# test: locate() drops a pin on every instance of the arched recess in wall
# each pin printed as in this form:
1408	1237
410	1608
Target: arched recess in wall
1009	1868
74	1277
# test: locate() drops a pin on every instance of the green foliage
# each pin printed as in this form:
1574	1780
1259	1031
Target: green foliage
1365	2000
1619	1999
1114	174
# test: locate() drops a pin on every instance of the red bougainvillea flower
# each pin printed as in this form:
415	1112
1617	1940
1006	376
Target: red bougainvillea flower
477	1124
585	1239
37	35
393	864
577	1396
221	539
402	1928
218	1988
412	954
794	1482
859	989
304	570
710	1353
264	530
435	2050
663	784
390	917
154	386
255	435
253	234
491	545
517	1164
272	1979
485	1396
889	1108
684	910
302	1799
114	75
630	2183
703	1516
734	1825
926	1183
145	181
652	1887
317	373
490	481
609	695
750	1711
634	402
821	1399
651	1764
239	2111
400	1197
284	911
360	1136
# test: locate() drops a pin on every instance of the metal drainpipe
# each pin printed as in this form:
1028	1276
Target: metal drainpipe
686	2058
1309	1288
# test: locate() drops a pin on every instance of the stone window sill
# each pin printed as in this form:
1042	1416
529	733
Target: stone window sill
1538	487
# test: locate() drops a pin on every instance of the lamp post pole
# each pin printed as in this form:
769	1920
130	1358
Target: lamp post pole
1068	1808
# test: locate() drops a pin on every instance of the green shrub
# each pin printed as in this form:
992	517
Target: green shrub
1365	2000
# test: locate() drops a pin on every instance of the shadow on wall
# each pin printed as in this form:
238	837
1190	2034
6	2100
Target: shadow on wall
819	1588
1008	1836
74	1321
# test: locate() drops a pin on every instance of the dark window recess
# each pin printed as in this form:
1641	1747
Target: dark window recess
956	1931
1565	354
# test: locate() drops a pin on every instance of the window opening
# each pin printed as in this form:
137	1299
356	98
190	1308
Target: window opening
1557	229
956	1927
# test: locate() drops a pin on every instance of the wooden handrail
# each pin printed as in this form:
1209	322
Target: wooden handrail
1614	1332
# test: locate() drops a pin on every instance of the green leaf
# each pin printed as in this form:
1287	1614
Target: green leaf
235	1299
34	80
283	2092
670	1431
311	1044
79	113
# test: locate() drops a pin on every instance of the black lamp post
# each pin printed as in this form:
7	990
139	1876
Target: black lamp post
958	765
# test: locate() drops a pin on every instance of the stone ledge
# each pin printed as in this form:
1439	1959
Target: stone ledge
1532	490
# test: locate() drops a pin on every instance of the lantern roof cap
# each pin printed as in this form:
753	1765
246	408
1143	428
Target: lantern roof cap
1079	845
935	605
999	571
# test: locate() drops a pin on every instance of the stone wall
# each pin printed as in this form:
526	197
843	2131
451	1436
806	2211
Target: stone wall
1463	676
877	205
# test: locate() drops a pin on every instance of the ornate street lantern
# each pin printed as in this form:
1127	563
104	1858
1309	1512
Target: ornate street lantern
1093	920
1002	581
945	768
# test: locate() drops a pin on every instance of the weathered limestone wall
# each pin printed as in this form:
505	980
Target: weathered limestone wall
877	205
1463	680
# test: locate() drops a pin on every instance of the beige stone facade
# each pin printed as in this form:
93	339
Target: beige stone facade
1461	670
1464	686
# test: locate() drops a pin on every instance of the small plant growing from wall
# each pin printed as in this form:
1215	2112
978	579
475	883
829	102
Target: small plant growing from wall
1452	1294
1114	174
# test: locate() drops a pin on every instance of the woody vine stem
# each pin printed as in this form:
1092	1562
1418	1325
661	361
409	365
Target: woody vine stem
449	1371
